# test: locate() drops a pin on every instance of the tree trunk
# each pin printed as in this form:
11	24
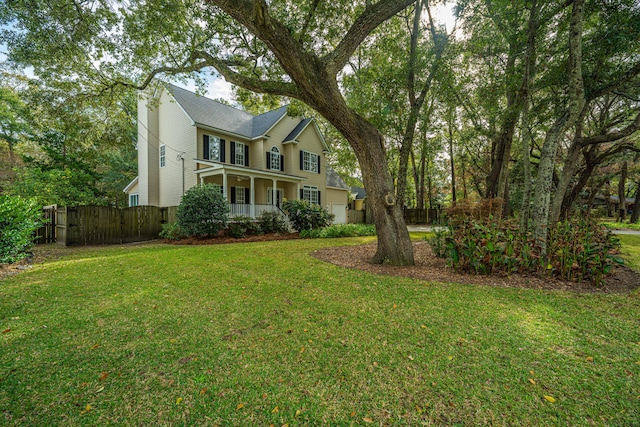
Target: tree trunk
622	196
568	173
540	214
636	206
453	169
394	244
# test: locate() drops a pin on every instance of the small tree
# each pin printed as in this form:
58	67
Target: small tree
203	211
306	216
19	220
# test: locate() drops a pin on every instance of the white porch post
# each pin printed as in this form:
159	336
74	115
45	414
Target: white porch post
201	180
252	199
297	191
274	193
224	185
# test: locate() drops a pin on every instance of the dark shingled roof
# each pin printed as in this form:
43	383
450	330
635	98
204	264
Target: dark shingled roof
297	131
334	180
359	192
213	114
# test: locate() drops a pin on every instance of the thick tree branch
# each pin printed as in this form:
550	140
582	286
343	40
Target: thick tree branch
373	16
613	136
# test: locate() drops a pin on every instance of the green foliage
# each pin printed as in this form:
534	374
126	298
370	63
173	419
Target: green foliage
65	187
273	222
203	211
241	226
577	249
19	220
340	230
306	216
172	231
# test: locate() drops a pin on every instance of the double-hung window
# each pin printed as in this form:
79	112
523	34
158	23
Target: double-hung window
240	193
239	154
213	148
163	155
311	194
133	200
309	162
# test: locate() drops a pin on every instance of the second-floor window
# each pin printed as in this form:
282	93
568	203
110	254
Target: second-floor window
163	155
239	154
213	148
309	162
275	160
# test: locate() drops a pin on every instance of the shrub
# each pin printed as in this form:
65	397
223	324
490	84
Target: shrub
576	250
340	230
203	211
306	216
243	225
273	222
172	231
19	220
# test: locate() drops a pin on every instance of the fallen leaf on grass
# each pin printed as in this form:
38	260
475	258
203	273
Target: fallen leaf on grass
302	350
86	409
275	410
240	406
99	389
96	345
532	381
6	331
367	420
353	414
549	399
589	359
297	413
203	391
178	401
103	376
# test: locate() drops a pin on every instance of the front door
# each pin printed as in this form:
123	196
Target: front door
279	196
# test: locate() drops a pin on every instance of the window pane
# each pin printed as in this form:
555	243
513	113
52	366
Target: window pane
214	148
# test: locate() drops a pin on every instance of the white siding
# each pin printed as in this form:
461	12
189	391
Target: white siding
179	136
147	153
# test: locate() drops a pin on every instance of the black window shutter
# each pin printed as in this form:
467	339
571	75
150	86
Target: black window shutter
281	163
301	160
246	155
268	160
318	157
205	147
222	144
301	194
247	196
232	145
233	194
319	202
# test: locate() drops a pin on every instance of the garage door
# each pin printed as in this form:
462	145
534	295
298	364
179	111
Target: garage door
340	211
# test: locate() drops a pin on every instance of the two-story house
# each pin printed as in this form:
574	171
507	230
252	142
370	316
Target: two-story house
185	139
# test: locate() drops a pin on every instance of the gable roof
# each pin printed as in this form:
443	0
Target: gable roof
216	115
334	180
359	193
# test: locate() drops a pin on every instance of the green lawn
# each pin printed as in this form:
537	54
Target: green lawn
262	333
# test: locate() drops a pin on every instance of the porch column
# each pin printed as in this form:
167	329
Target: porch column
201	180
297	191
274	193
252	198
224	184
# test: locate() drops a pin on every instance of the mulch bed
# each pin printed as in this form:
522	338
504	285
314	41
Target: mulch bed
227	239
431	268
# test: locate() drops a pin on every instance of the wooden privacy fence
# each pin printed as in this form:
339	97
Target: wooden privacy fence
355	217
424	216
100	225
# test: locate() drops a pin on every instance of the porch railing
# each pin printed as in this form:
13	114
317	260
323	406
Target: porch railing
252	211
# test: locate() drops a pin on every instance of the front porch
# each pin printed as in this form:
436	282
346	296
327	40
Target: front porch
250	192
251	211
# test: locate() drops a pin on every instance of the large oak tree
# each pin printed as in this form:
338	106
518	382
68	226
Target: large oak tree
294	49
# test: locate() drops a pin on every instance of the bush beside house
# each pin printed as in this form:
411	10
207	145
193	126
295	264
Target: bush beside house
203	211
20	218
